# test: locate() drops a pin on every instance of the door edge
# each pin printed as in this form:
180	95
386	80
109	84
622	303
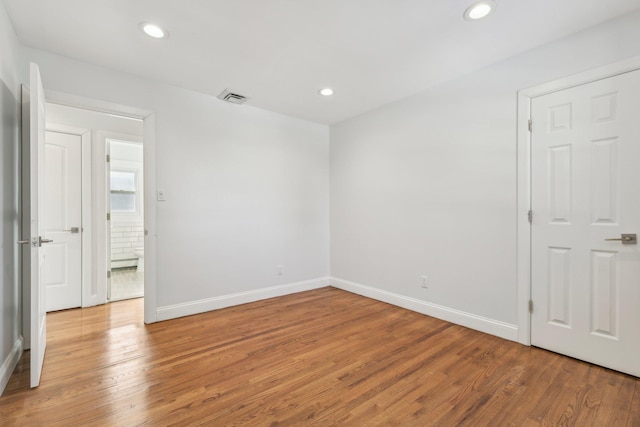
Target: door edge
523	171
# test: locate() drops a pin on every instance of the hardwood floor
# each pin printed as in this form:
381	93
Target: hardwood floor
324	357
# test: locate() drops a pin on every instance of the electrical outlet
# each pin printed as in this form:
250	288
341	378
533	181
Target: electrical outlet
280	270
424	281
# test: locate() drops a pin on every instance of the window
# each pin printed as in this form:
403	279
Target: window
123	191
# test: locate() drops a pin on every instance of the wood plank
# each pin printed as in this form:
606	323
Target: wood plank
323	357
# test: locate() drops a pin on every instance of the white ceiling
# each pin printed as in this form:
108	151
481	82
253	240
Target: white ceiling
280	52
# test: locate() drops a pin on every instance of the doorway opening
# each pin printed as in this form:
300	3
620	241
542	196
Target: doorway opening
109	239
125	189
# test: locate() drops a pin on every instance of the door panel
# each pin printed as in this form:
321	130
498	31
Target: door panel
559	291
605	308
33	128
585	178
63	217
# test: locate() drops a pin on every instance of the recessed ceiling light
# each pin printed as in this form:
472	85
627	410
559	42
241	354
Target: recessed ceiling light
479	10
152	30
326	91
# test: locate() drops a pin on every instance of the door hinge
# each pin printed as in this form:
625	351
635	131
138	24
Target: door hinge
108	158
109	274
530	126
530	306
108	216
530	216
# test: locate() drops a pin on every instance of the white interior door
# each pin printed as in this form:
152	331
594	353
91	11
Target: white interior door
63	220
107	178
33	138
585	186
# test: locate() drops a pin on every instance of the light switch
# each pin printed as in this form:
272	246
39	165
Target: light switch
161	195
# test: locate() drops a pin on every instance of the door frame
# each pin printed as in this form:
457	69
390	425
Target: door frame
104	202
149	164
524	229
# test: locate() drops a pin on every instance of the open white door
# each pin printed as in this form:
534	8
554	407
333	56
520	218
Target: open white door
586	217
33	158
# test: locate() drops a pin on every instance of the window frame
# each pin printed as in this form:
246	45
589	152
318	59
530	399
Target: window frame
135	192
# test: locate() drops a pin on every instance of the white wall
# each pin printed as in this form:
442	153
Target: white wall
427	185
10	347
247	189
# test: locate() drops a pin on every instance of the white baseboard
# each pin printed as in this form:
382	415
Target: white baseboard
10	363
479	323
209	304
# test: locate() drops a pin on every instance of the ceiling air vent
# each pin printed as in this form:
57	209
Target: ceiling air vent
234	98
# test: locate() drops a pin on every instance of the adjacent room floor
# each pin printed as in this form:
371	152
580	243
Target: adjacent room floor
323	357
126	283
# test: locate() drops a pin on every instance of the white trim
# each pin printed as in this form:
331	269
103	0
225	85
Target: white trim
479	323
10	363
119	137
524	175
523	238
150	218
89	297
579	79
209	304
101	227
99	106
